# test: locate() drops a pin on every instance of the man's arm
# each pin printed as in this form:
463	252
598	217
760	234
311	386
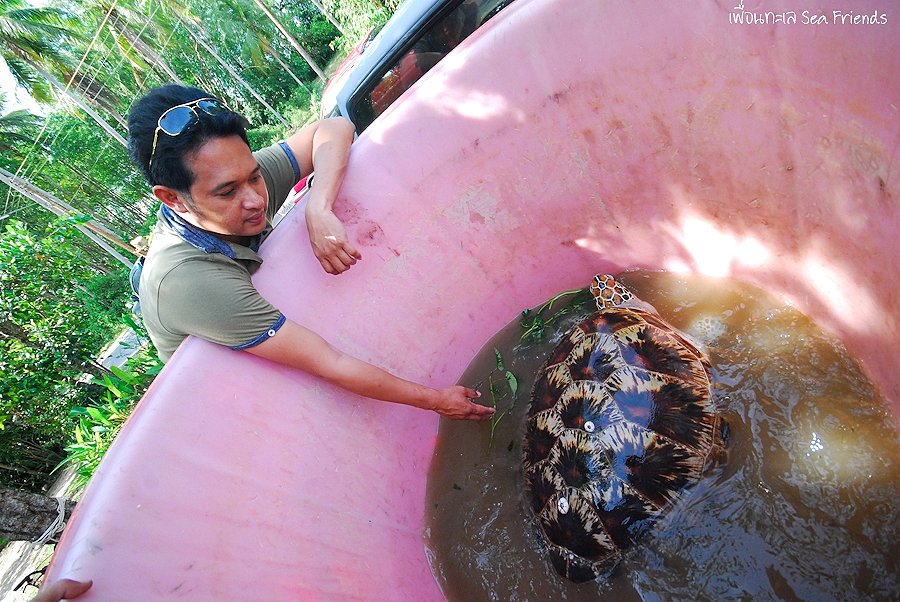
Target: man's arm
324	147
299	347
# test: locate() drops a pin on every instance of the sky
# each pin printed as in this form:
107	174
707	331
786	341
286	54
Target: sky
15	98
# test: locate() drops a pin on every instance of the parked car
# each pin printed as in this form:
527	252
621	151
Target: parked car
337	79
387	62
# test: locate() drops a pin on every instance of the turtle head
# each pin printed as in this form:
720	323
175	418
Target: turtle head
608	292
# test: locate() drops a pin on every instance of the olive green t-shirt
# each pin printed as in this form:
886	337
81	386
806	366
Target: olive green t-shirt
194	283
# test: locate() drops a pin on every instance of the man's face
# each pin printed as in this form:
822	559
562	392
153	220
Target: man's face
229	195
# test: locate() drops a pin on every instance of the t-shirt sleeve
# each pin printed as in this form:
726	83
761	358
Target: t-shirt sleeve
216	301
280	171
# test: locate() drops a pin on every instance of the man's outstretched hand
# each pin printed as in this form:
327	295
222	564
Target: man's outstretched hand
329	242
458	403
64	589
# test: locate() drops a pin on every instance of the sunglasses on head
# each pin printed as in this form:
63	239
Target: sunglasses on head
183	117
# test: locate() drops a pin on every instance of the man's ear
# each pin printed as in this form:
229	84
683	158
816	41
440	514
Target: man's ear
171	198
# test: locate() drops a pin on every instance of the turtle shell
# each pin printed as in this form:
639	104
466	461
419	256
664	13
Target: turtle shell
621	420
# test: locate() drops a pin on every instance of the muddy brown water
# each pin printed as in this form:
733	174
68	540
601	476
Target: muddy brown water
805	508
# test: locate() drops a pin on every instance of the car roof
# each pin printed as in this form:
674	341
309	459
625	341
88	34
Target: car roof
404	26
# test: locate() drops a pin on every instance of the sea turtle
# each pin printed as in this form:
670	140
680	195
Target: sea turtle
621	420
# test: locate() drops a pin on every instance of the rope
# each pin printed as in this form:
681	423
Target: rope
91	45
71	79
52	531
21	170
56	526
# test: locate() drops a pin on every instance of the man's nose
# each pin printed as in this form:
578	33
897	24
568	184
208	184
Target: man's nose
253	200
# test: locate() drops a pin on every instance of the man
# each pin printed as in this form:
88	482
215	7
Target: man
217	202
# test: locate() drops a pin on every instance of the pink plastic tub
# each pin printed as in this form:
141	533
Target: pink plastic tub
565	138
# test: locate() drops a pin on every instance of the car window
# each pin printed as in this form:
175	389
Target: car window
424	53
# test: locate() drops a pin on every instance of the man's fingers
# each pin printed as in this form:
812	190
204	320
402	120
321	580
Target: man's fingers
338	258
477	411
345	258
63	589
351	250
471	393
483	410
74	589
326	265
480	412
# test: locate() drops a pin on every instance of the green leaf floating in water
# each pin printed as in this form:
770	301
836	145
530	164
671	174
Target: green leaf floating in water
513	384
497	417
510	377
500	366
533	323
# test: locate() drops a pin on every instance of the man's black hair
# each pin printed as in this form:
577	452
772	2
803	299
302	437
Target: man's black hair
169	168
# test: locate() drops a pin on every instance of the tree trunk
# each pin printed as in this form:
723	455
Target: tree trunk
287	68
90	229
114	211
293	42
58	85
90	91
199	39
119	25
266	45
329	16
26	516
11	330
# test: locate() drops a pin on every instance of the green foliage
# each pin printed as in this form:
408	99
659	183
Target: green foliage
358	17
17	129
91	172
264	135
533	323
498	392
61	297
30	35
304	105
111	289
309	26
99	423
51	326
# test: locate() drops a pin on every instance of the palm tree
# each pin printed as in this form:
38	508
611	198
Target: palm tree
261	41
291	40
30	39
329	16
193	29
27	35
15	128
130	25
97	232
